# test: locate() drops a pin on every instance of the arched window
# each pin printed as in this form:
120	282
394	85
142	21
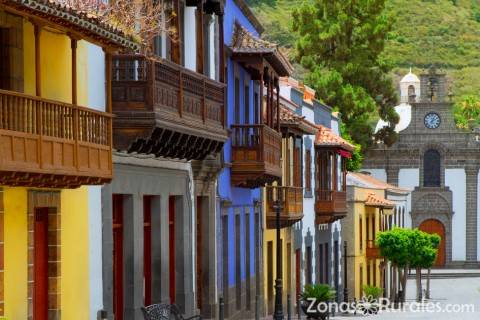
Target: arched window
431	168
411	93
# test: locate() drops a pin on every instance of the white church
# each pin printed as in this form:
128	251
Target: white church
439	162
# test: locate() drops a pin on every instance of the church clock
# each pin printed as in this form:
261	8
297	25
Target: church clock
432	120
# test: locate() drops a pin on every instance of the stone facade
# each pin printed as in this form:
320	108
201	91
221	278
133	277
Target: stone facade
457	150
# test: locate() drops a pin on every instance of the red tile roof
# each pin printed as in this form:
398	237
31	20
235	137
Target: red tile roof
326	137
85	23
290	118
244	42
376	201
372	182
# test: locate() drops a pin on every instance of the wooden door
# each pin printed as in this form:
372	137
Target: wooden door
434	226
171	246
118	256
147	250
298	272
40	296
270	294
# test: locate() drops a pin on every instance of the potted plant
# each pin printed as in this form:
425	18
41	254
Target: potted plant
370	303
372	291
315	300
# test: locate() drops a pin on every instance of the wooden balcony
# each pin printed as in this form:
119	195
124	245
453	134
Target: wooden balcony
256	151
291	201
52	144
164	109
330	205
372	251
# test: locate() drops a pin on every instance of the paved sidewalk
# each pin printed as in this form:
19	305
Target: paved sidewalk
446	294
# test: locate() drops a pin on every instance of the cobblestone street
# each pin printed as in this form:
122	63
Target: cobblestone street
447	293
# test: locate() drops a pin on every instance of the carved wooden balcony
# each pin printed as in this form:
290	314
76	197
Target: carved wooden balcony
164	109
330	205
256	151
47	143
372	251
291	201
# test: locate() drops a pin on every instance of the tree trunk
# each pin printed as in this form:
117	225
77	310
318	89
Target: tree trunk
427	293
404	284
393	287
418	276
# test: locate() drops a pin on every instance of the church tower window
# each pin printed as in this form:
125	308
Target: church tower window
411	94
431	168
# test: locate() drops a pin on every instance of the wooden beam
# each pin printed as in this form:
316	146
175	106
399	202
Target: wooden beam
108	81
200	39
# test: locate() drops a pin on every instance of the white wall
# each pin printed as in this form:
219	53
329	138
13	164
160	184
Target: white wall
380	174
457	181
409	179
96	99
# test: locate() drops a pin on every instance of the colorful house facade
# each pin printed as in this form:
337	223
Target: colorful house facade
251	157
318	245
55	132
370	212
159	212
289	194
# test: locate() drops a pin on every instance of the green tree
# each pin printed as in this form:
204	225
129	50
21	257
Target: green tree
467	112
422	255
395	246
340	43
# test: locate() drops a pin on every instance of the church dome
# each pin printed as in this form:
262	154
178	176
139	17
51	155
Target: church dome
410	78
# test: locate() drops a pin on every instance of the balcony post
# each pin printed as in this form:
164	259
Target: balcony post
221	47
270	84
37	31
200	40
261	98
180	93
277	87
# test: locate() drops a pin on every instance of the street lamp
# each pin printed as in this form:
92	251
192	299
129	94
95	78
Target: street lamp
278	313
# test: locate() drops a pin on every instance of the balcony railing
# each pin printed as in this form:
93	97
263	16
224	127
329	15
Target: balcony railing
149	93
291	202
372	252
330	205
256	151
48	143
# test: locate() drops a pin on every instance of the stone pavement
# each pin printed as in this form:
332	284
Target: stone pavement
461	293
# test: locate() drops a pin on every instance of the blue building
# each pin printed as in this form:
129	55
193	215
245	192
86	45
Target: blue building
251	156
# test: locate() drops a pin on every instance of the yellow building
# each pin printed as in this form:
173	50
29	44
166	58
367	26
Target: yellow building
290	196
372	207
52	151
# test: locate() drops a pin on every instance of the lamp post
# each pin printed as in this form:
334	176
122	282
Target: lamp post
345	289
278	313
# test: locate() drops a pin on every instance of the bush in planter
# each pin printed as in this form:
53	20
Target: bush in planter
372	291
318	293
